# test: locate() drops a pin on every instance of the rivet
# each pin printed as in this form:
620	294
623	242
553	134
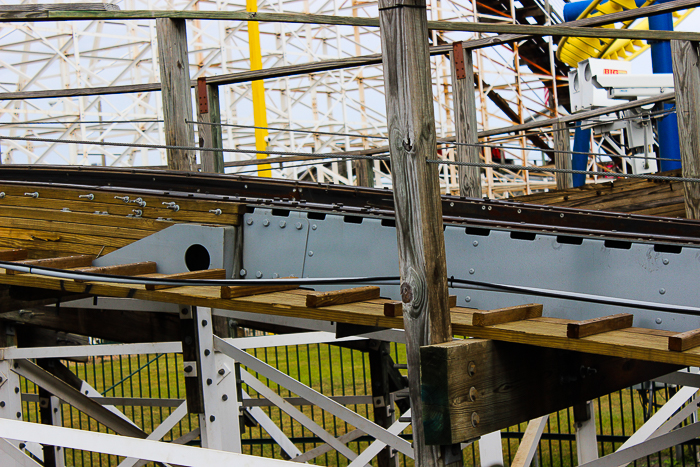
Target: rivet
471	271
249	221
209	381
298	225
2	403
204	323
259	274
471	368
520	211
662	291
283	224
475	419
314	227
467	299
207	352
311	253
222	371
224	398
266	223
184	311
242	272
561	215
16	390
483	208
473	394
489	208
452	204
665	261
19	414
188	369
658	321
475	243
212	418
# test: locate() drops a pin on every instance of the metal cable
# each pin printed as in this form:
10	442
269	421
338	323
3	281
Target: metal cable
330	133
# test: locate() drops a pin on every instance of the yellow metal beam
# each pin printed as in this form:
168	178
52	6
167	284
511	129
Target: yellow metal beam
259	109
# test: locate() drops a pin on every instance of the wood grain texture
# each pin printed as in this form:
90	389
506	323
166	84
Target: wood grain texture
175	88
395	308
421	244
61	7
203	274
14	254
210	135
505	384
341	297
236	291
132	269
61	263
684	340
594	326
686	79
464	103
562	158
506	315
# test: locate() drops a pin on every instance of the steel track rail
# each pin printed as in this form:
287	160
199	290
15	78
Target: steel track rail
358	201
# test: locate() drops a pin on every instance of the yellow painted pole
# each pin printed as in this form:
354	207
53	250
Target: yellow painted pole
259	110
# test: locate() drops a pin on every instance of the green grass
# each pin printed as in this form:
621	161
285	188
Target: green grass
334	371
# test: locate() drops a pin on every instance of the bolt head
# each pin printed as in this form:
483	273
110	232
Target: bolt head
298	225
242	272
659	320
249	221
283	224
475	243
266	223
207	352
212	418
224	398
467	299
209	382
665	261
314	227
259	274
662	291
311	253
471	271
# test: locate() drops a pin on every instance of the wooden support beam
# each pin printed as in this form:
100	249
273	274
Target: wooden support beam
131	269
209	128
506	315
13	255
594	326
393	309
686	79
175	88
562	159
236	291
684	340
464	104
340	297
473	387
60	263
203	274
421	244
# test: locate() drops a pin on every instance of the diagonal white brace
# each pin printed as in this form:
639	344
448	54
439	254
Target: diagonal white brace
376	447
316	397
273	430
296	414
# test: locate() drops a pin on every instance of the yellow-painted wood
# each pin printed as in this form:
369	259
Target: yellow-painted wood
259	109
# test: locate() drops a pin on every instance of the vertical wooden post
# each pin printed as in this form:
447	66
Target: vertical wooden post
418	208
464	104
175	89
209	135
686	79
562	160
364	174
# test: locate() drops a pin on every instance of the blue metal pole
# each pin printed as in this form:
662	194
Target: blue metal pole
662	62
582	143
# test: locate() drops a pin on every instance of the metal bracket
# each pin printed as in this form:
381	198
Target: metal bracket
458	57
202	98
222	373
190	369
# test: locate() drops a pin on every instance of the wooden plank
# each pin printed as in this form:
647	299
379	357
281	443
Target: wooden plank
562	156
686	79
465	120
395	309
209	130
132	269
340	297
236	291
61	7
13	254
506	315
53	249
594	326
473	387
418	207
175	90
684	340
204	274
67	227
60	263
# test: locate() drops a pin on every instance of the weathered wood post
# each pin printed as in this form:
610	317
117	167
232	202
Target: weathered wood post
175	89
418	208
209	128
464	104
562	160
686	79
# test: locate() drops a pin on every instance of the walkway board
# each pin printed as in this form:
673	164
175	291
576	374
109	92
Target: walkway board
636	343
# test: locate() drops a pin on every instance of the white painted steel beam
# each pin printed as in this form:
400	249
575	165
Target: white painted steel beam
160	431
273	430
130	447
90	350
12	456
317	398
586	438
376	447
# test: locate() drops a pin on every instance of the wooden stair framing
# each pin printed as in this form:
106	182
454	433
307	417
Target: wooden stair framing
523	324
